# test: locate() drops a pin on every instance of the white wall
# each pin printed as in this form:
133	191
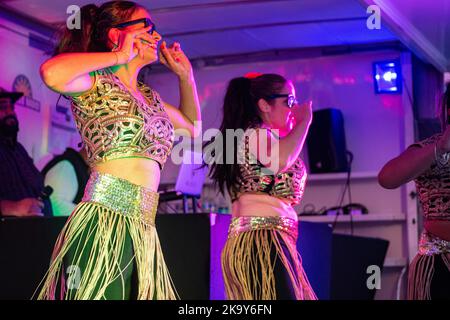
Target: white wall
36	132
343	82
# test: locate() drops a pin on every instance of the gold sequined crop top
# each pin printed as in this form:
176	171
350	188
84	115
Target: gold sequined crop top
289	184
433	187
114	124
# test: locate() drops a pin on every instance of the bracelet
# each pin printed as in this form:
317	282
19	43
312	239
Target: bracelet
442	159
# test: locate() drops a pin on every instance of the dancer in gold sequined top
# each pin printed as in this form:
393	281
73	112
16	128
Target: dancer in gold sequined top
260	259
109	248
428	164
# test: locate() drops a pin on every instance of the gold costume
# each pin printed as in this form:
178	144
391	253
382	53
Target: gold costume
109	247
433	190
249	271
289	184
260	259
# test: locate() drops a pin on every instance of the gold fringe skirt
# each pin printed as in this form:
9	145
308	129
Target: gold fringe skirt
421	269
110	235
248	266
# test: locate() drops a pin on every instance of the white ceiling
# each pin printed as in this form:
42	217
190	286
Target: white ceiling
209	28
422	25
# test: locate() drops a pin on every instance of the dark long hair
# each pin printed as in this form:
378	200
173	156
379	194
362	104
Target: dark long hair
240	111
445	116
95	24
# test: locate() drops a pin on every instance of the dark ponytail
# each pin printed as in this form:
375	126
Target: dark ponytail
240	111
238	108
95	24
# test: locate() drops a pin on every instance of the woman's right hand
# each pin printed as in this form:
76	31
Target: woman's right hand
443	144
130	45
303	112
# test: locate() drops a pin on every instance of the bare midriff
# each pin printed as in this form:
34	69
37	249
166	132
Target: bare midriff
262	205
439	228
138	170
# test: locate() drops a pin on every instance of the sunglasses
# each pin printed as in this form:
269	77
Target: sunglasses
291	99
147	22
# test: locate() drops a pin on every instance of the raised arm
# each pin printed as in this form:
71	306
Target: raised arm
289	147
413	162
292	144
188	115
68	73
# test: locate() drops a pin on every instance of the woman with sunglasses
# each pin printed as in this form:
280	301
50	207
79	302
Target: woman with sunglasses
109	248
260	260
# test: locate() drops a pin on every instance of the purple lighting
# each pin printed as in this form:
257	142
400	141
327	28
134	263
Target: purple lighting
387	77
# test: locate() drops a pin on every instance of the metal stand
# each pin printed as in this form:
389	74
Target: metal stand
185	203
172	196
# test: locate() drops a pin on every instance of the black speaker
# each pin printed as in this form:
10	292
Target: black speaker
351	258
326	142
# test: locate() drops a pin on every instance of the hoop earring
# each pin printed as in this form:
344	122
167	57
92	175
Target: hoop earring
115	46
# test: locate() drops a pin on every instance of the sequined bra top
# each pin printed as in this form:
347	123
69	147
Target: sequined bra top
114	124
288	185
433	187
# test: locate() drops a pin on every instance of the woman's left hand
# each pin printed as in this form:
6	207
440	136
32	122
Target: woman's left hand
175	59
303	112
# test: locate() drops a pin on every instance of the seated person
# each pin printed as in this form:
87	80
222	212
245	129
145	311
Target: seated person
22	185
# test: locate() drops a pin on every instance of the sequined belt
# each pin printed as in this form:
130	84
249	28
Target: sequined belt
245	224
430	244
122	196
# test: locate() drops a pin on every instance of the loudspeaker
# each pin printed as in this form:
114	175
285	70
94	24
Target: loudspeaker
355	262
326	142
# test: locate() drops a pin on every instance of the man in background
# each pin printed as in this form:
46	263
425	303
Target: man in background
22	190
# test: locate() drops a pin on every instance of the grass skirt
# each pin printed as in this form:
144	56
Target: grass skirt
109	247
422	268
248	264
